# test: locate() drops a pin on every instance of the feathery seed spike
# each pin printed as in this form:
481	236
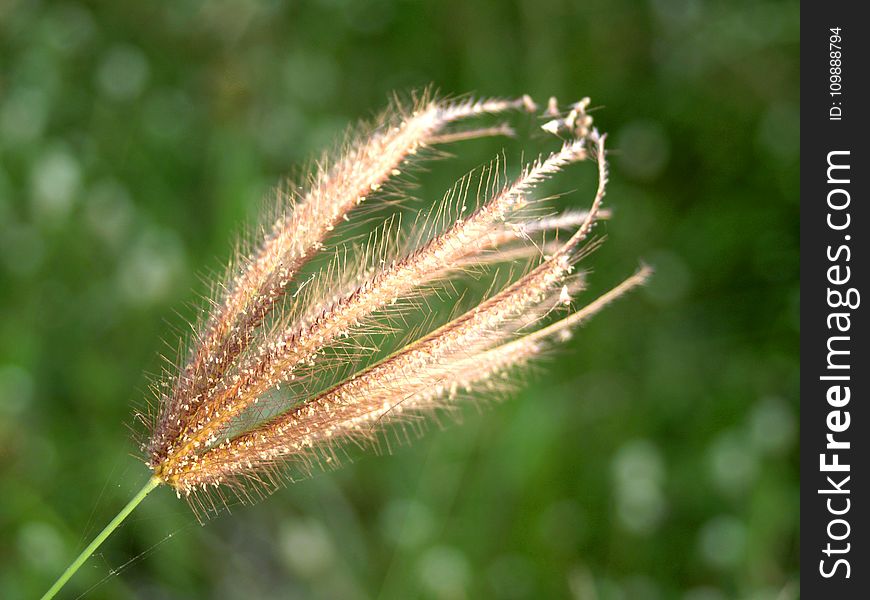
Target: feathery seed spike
226	418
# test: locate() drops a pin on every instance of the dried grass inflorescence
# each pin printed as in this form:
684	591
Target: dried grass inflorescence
266	384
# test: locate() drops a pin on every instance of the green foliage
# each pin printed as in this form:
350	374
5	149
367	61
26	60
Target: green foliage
656	457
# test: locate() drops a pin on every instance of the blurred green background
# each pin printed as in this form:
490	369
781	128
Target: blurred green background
654	458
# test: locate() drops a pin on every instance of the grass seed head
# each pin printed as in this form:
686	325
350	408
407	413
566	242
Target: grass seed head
266	382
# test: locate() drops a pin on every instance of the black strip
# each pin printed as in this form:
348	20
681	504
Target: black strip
834	334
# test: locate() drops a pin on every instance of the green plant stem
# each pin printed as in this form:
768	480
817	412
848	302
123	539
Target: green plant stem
101	537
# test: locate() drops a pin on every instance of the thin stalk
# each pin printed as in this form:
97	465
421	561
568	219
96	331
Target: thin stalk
101	537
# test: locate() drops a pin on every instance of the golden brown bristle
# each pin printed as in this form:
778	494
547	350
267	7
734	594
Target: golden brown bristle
223	419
